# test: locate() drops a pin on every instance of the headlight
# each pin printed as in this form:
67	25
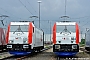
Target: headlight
25	46
57	46
10	41
74	46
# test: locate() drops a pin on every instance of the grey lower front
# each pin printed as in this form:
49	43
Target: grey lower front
65	48
18	47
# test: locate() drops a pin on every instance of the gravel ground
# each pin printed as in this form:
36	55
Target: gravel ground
42	56
49	55
46	55
84	55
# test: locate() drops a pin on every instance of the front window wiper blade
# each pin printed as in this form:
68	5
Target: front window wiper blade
65	30
18	30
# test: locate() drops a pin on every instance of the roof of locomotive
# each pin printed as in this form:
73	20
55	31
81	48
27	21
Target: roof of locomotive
20	23
65	23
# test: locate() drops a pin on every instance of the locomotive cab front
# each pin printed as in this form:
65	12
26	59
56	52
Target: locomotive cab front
24	38
65	38
18	38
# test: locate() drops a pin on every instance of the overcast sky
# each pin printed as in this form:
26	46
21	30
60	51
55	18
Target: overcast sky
52	10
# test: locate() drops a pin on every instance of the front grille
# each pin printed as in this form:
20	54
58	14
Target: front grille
65	48
18	47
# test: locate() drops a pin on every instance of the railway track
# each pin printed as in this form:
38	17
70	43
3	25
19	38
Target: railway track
67	58
23	57
49	55
26	56
20	57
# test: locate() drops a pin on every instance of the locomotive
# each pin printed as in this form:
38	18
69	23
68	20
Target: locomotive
2	40
23	38
65	38
87	40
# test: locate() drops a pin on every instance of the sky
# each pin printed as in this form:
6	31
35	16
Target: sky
50	12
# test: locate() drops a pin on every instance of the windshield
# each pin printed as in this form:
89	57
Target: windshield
65	28
18	28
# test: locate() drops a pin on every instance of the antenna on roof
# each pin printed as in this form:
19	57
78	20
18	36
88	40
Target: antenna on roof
65	17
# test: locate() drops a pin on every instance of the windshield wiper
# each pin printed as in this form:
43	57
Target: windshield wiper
65	31
19	30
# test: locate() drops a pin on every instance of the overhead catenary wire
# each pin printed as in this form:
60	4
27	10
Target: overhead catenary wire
84	24
31	6
26	7
81	17
43	26
9	13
